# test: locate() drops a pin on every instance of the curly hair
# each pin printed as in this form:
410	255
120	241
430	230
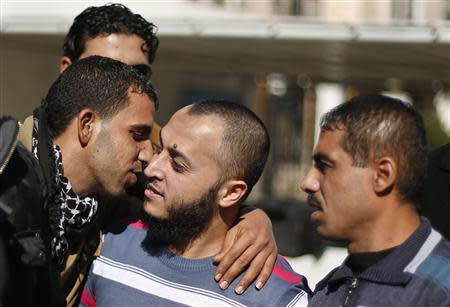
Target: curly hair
108	19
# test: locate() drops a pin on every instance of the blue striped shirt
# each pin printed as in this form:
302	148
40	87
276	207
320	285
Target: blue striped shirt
126	274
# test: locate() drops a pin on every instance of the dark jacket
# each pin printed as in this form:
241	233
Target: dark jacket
28	275
85	244
417	273
436	205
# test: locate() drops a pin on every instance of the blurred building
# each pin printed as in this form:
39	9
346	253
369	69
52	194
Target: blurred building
289	60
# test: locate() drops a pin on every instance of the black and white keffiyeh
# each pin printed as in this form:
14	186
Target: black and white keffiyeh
75	212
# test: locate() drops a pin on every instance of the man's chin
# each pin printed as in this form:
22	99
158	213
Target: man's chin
151	211
148	215
111	193
330	235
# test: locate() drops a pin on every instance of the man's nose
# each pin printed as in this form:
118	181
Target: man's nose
310	184
145	152
153	168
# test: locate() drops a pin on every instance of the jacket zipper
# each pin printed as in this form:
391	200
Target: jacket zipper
10	152
350	291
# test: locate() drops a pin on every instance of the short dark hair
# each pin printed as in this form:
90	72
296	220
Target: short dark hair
245	143
108	19
376	125
95	82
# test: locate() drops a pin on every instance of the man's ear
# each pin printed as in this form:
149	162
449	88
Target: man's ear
385	175
86	121
64	62
231	192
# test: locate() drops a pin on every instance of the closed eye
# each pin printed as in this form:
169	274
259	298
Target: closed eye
321	163
177	167
322	167
139	137
140	133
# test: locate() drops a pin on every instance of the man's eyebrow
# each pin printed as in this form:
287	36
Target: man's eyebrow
320	158
145	129
173	152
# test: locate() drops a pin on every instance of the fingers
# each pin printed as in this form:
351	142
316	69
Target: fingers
260	264
248	245
238	266
260	269
252	260
234	246
266	270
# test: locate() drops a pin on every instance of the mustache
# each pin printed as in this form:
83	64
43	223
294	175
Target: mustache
312	200
152	184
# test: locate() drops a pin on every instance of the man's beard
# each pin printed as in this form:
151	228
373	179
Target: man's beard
185	222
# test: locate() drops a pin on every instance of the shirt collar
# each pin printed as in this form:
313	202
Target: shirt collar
389	270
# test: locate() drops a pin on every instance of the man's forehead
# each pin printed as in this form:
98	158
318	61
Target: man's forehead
136	95
206	126
330	141
140	109
127	48
192	132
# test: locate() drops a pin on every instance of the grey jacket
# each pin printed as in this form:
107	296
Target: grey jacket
417	273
